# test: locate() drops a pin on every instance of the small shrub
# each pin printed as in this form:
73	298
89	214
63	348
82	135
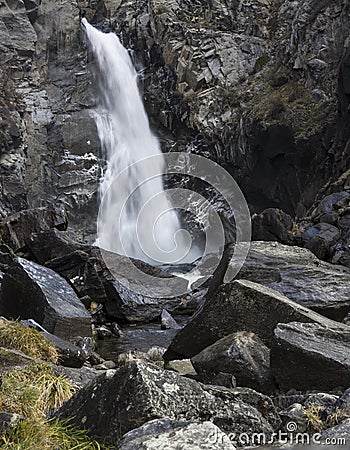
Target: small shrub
315	424
27	340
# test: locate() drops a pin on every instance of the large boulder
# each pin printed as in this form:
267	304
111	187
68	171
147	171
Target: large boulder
238	306
31	291
106	278
241	354
168	434
301	276
140	391
311	356
15	229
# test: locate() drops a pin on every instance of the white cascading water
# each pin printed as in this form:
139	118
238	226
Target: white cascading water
126	138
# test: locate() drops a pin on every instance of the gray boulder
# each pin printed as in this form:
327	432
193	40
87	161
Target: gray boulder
33	291
261	402
168	434
237	306
241	354
338	435
301	276
311	356
140	391
70	355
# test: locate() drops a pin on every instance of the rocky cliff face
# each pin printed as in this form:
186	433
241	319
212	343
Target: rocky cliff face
261	86
49	147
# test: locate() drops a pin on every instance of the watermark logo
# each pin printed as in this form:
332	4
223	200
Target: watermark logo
289	437
137	216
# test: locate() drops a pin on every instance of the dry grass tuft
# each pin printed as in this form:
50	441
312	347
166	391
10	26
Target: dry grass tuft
33	390
27	340
47	435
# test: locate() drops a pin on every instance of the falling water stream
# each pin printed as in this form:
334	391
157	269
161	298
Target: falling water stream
146	226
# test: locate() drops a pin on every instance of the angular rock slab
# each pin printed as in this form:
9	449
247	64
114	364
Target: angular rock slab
15	229
241	354
167	434
311	356
31	291
301	276
140	391
238	306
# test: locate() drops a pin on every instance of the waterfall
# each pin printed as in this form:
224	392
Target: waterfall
146	226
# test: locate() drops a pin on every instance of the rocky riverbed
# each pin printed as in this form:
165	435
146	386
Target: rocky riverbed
263	88
262	354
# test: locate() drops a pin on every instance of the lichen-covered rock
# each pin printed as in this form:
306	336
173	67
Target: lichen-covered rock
33	291
139	392
168	434
239	306
311	356
242	354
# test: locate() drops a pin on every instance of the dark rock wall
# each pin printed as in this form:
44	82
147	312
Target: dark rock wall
251	84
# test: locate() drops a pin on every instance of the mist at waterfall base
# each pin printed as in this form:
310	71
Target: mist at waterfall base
136	216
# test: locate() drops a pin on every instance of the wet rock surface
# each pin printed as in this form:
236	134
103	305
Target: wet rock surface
16	228
33	291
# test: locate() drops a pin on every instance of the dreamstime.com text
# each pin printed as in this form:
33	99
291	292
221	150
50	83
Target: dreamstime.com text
291	436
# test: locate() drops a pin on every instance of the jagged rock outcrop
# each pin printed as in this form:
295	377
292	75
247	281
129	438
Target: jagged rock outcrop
253	83
49	143
17	228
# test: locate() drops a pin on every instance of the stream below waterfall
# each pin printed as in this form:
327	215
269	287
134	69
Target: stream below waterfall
139	338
